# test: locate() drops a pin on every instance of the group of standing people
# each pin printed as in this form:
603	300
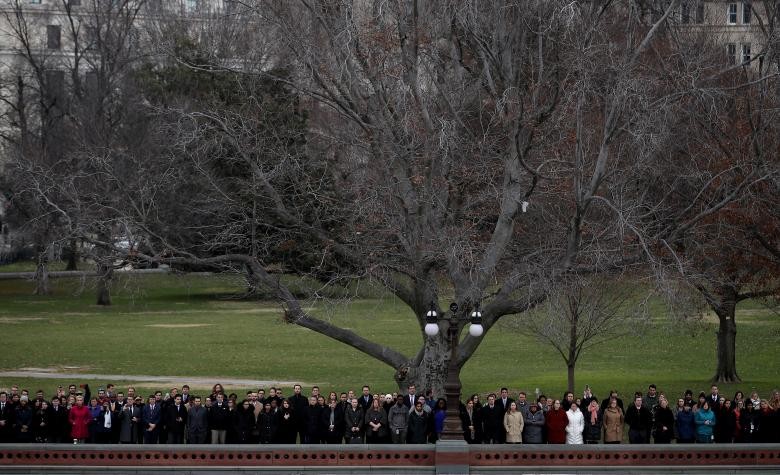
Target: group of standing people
178	417
711	418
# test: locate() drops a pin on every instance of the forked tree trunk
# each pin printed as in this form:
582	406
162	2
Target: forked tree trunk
726	371
430	372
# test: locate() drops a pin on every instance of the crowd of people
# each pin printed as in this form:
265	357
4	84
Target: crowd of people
75	415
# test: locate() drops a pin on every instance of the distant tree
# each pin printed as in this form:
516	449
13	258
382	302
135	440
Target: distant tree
582	313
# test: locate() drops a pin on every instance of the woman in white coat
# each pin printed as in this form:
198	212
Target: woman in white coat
576	425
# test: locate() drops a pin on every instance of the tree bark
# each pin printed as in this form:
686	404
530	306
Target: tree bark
42	273
428	370
73	255
726	371
105	275
570	376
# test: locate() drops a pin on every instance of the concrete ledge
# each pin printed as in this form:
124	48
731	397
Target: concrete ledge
445	457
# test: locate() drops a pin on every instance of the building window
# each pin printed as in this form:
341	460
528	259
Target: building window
731	17
74	3
191	5
745	53
685	12
35	2
731	51
747	12
53	36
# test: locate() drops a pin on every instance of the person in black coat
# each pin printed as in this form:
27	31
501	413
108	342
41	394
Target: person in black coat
492	419
748	422
639	422
218	420
663	423
333	423
312	416
105	424
6	419
726	427
287	424
59	430
23	421
594	421
353	422
244	421
175	420
469	422
41	423
268	424
419	425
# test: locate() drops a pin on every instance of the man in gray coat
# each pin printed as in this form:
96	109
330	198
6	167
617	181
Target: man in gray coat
398	419
197	422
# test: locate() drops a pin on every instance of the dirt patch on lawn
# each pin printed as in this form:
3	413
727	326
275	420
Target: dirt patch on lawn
15	320
180	325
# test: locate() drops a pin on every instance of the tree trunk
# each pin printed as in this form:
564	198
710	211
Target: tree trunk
570	375
42	273
73	255
431	371
105	274
727	337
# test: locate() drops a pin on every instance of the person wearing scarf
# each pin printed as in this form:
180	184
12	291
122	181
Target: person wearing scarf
594	420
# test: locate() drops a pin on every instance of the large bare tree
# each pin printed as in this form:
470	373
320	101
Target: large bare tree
477	152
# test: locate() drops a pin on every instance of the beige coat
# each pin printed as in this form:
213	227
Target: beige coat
613	424
513	425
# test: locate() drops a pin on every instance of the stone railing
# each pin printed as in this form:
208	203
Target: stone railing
420	458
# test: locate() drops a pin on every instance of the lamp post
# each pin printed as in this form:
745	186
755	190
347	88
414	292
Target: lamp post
452	386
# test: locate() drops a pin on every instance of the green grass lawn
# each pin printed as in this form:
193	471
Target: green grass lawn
240	338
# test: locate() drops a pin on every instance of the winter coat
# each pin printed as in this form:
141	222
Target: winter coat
23	419
592	432
267	426
556	422
418	428
575	427
533	428
398	417
727	425
353	418
79	418
748	422
513	425
613	424
377	417
663	418
686	429
705	423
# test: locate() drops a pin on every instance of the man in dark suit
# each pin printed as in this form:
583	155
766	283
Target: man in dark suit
504	401
365	400
176	420
411	396
58	422
6	419
151	420
299	402
492	419
197	422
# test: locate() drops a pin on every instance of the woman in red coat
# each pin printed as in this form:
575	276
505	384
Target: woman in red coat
556	421
79	419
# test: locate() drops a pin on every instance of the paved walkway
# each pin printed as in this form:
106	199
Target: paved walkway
198	381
